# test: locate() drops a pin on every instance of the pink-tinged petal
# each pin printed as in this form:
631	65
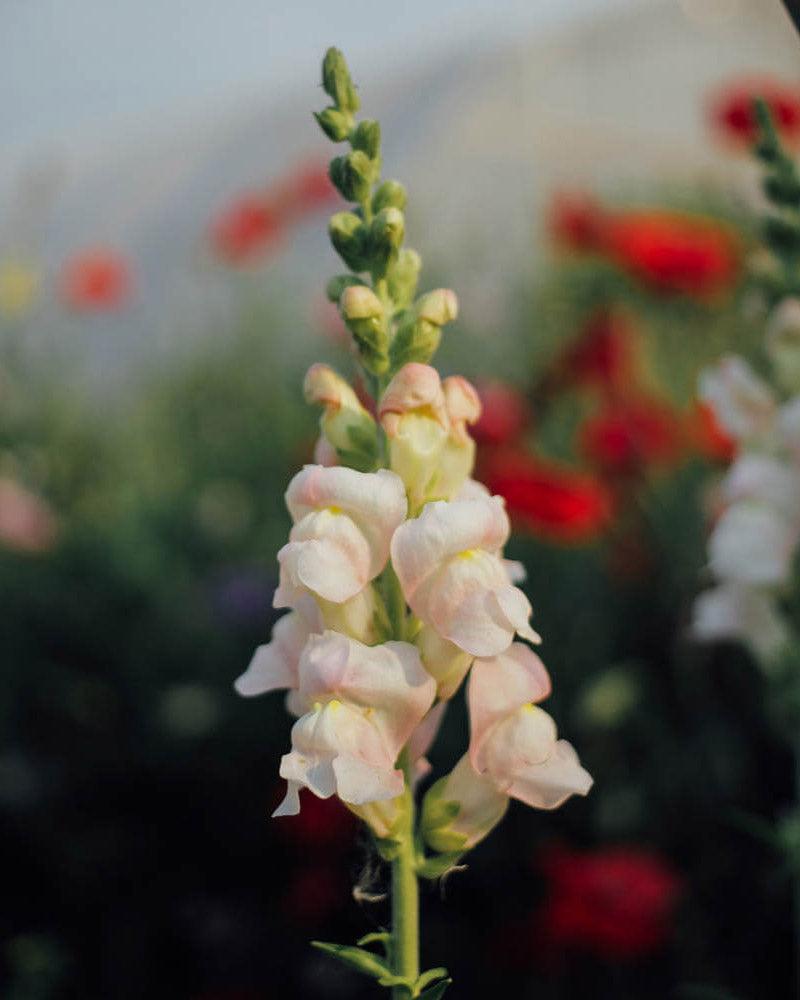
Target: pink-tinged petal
526	737
752	544
388	681
463	405
472	490
336	750
326	554
742	403
374	501
548	785
414	387
498	686
324	453
736	611
482	804
421	740
449	567
444	661
274	665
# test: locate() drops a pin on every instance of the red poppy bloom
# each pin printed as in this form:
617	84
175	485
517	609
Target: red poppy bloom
617	902
552	501
705	433
731	109
96	280
504	415
628	434
604	354
247	229
676	253
577	221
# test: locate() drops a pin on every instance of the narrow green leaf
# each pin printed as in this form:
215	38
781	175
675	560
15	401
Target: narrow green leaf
438	865
356	958
382	936
435	992
428	977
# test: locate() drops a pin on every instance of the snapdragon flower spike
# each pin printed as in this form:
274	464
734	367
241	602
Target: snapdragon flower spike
365	703
449	564
274	665
732	610
345	424
743	403
343	524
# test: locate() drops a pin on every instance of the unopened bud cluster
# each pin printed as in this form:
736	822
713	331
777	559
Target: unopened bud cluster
394	577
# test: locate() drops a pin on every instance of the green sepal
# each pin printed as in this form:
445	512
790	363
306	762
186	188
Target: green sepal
352	175
415	341
365	451
372	340
336	81
337	125
438	865
438	815
388	848
337	284
402	277
367	138
357	958
385	237
428	977
391	194
384	937
435	992
348	236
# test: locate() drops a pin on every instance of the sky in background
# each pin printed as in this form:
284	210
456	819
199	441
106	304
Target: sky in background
76	71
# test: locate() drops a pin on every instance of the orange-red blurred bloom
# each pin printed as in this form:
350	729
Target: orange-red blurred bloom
96	280
731	109
629	434
504	414
706	435
617	902
672	252
550	500
675	252
308	189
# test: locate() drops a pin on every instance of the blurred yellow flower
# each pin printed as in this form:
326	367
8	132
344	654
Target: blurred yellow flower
19	283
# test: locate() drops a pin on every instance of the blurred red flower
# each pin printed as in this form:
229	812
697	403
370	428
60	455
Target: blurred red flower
504	414
552	501
629	434
96	280
576	221
604	354
617	902
706	435
674	252
27	524
730	109
247	229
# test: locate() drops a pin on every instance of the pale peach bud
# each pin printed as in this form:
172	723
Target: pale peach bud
359	302
345	423
458	455
413	414
438	307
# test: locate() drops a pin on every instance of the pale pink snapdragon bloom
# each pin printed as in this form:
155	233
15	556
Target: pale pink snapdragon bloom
450	567
364	703
514	752
343	524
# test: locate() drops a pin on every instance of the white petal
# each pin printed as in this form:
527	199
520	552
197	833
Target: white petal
274	665
547	785
752	544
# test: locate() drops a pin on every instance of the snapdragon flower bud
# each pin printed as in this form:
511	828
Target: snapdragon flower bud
363	313
390	194
336	124
336	81
402	277
439	306
367	138
386	234
353	175
345	423
348	236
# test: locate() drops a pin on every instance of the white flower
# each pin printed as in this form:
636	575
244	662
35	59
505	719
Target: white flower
736	611
752	543
450	567
743	403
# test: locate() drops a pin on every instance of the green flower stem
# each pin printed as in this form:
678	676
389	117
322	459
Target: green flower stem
405	894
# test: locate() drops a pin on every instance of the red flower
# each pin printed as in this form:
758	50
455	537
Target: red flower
628	434
247	229
731	110
553	501
617	902
577	221
708	438
96	280
604	354
504	415
673	252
